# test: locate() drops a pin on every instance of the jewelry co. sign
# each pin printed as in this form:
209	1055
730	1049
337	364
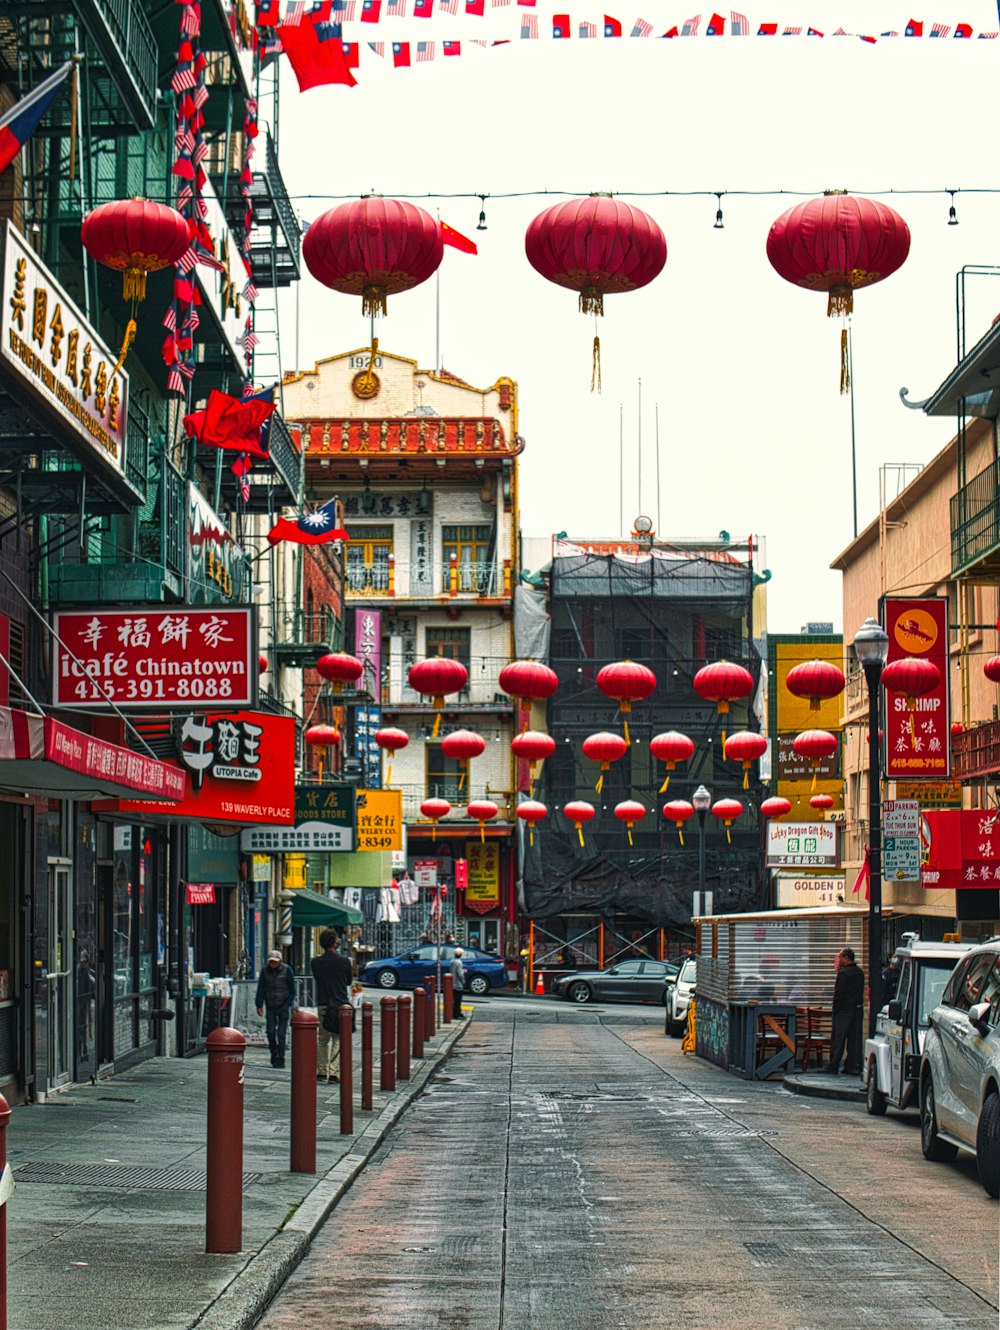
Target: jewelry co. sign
160	658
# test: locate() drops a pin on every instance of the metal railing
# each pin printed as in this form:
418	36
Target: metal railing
976	751
284	455
294	625
125	39
277	231
414	796
137	448
419	581
975	519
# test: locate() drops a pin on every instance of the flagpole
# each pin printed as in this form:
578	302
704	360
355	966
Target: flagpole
437	309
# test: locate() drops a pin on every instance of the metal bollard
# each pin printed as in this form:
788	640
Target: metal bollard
448	994
303	1124
224	1142
419	1011
431	1007
367	1098
387	1071
345	1014
403	1037
4	1123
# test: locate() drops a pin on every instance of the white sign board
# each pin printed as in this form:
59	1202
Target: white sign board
901	859
305	838
901	817
802	844
425	872
799	889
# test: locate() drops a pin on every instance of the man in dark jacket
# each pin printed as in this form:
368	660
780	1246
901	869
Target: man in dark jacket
276	997
333	974
848	997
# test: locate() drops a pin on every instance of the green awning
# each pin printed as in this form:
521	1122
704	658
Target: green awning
311	910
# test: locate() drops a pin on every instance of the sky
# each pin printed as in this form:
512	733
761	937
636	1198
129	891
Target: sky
741	367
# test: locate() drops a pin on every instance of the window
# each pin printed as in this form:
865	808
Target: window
468	547
424	954
443	775
453	642
629	967
368	554
968	986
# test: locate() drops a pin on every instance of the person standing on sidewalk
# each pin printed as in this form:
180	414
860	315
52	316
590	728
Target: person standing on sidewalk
334	975
848	997
276	997
457	971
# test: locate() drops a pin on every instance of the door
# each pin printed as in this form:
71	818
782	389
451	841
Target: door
59	975
960	1045
622	980
895	1030
417	964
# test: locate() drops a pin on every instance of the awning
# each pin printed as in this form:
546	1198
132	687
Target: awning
39	755
311	910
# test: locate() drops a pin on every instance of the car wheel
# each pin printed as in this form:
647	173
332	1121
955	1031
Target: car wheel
677	1028
479	985
936	1150
388	979
875	1100
579	993
988	1145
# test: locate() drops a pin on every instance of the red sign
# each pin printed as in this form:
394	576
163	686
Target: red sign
154	658
917	742
960	848
239	767
461	874
201	893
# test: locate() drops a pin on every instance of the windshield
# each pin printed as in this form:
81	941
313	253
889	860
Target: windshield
934	975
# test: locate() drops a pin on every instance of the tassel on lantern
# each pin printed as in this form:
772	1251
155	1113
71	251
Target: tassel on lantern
374	301
628	828
845	387
134	284
595	368
591	301
666	782
746	776
127	340
600	780
840	302
438	707
388	774
680	833
812	788
368	382
462	775
729	839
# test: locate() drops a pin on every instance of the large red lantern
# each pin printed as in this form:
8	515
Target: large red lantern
338	669
579	812
992	669
392	741
727	811
604	748
723	682
818	680
815	745
531	811
597	246
630	811
483	810
679	810
323	737
626	682
821	802
262	663
913	676
434	810
436	678
745	746
462	746
532	746
776	806
670	748
528	681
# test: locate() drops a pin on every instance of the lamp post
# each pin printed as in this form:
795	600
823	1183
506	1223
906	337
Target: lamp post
871	645
702	801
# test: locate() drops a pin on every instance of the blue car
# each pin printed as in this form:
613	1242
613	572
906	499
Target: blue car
409	969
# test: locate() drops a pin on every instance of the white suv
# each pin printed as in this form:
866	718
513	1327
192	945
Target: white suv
677	998
960	1069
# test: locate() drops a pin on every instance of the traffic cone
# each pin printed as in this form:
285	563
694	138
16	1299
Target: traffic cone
540	984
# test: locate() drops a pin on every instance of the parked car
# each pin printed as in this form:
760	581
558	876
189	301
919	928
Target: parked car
892	1054
628	981
409	969
960	1068
678	998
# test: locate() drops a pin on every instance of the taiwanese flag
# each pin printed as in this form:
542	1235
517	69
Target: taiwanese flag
19	123
451	48
963	29
612	28
672	32
560	25
716	26
915	28
813	32
352	55
767	30
315	528
423	8
226	422
370	11
475	7
268	13
449	236
401	54
316	54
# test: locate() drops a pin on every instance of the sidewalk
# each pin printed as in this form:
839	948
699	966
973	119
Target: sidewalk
91	1246
821	1085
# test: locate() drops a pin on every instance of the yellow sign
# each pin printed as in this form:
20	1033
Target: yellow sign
931	793
380	820
295	872
484	872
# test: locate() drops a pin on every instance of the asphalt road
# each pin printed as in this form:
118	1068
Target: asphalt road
569	1168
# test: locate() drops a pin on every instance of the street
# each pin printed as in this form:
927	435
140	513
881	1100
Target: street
568	1166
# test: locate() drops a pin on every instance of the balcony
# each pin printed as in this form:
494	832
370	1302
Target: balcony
976	751
975	525
428	581
277	235
122	34
299	639
457	822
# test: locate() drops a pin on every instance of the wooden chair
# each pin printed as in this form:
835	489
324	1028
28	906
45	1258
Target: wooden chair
816	1033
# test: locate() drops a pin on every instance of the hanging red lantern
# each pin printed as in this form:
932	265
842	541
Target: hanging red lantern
531	811
776	806
818	680
838	244
727	811
462	746
435	809
528	681
391	741
323	737
815	745
630	811
262	664
913	676
483	810
957	728
821	802
992	669
436	678
723	682
670	748
604	748
679	810
532	746
745	746
597	246
626	682
579	812
338	669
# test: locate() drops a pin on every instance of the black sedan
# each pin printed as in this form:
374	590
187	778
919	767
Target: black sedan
628	981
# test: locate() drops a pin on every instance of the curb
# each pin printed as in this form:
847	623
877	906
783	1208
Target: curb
249	1293
850	1092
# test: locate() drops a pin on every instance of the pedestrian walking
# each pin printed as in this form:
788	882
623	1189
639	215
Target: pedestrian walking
457	971
848	996
276	998
334	975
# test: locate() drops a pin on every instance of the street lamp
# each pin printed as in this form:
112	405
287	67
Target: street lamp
871	646
702	801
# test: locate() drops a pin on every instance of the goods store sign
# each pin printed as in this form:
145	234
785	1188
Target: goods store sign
154	659
324	824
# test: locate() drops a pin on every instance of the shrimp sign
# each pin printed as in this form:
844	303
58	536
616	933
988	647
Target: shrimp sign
920	749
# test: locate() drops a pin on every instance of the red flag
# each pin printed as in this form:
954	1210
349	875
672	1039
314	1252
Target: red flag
716	26
864	877
475	7
449	236
612	28
915	28
767	30
227	422
316	54
560	25
370	11
352	54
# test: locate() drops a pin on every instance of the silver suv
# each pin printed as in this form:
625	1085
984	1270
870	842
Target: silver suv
960	1068
677	998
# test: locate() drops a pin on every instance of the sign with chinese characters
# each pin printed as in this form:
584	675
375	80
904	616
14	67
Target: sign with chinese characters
381	505
931	793
960	848
796	890
802	844
52	351
483	890
324	824
368	719
793	767
367	723
421	557
214	560
380	820
917	741
201	893
158	658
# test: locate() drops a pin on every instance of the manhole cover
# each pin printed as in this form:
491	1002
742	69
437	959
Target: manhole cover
118	1176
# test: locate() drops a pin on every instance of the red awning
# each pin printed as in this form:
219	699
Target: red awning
39	755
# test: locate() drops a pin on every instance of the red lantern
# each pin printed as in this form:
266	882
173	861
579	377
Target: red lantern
604	748
391	740
262	664
629	811
626	682
679	810
578	812
323	737
671	747
483	810
957	727
338	669
462	745
815	745
914	676
531	811
821	802
435	809
436	678
533	747
776	806
818	680
528	681
727	811
745	746
992	669
723	682
597	246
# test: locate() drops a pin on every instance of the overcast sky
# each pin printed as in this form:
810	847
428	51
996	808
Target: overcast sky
754	437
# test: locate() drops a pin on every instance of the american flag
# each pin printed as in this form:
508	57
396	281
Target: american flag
344	10
989	36
425	51
396	8
883	34
449	6
940	29
294	10
529	26
588	29
792	32
377	47
641	28
741	24
690	26
500	4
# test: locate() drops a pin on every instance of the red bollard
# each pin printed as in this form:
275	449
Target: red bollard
4	1122
367	1097
431	1007
403	1038
303	1125
345	1014
224	1142
419	1011
387	1076
448	986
